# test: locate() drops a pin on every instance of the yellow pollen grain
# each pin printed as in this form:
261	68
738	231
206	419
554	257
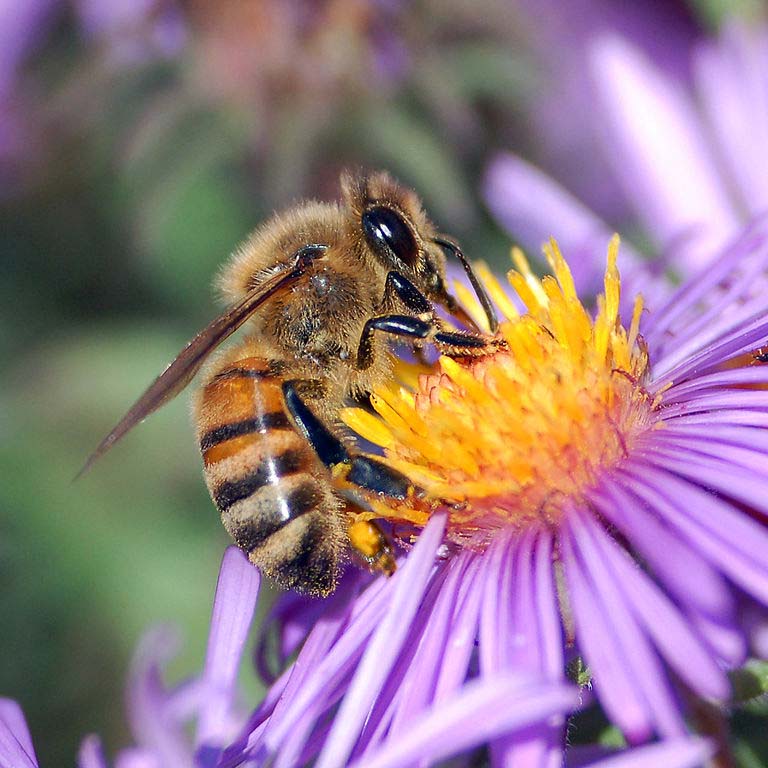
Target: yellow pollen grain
512	438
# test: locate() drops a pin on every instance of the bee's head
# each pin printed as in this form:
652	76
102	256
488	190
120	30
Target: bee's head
394	228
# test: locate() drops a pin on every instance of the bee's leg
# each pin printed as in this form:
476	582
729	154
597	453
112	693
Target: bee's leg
405	326
365	536
399	285
363	471
373	546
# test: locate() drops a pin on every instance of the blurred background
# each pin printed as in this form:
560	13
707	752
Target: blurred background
140	141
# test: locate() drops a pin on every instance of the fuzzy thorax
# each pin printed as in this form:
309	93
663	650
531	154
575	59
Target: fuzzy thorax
516	437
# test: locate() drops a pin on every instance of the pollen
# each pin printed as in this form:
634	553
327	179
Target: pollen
515	437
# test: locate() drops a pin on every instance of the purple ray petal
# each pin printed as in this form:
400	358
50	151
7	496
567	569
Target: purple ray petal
619	696
233	606
16	750
496	626
669	631
137	758
407	591
484	710
682	569
533	207
751	245
744	335
708	403
150	722
662	492
743	416
418	688
91	753
730	80
685	573
731	480
545	596
642	663
534	614
726	448
665	169
415	664
672	753
724	636
324	670
463	631
757	374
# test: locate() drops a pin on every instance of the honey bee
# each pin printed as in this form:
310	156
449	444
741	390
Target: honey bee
325	289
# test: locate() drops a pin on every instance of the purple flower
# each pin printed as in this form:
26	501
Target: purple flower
133	30
591	486
686	157
160	717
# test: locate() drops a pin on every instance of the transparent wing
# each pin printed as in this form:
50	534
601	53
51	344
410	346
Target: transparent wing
188	362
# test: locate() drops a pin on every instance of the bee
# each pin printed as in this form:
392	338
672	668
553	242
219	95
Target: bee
325	289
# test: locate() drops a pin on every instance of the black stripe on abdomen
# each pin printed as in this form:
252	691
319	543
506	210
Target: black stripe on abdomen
263	423
266	473
253	532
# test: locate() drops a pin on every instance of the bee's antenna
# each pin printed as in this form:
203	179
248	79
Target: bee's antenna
477	286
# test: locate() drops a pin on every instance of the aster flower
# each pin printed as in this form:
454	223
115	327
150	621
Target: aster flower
593	487
685	153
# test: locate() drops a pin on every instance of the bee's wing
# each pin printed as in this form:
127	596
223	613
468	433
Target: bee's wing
188	362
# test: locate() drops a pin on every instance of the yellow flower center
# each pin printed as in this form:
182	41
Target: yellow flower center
510	438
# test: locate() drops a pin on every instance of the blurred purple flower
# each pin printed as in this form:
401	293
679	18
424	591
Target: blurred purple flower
23	26
133	30
687	158
159	716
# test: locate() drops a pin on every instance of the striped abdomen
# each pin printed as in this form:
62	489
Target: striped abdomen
269	486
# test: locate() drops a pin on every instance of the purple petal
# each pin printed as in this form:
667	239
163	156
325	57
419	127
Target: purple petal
681	568
233	606
685	573
484	710
709	532
744	335
409	682
668	323
407	590
91	754
16	750
672	753
324	669
462	633
669	631
665	166
138	758
724	636
731	85
642	663
730	480
532	598
533	207
418	686
620	695
153	727
496	611
733	377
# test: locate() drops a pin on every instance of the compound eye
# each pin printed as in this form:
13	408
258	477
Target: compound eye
388	235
